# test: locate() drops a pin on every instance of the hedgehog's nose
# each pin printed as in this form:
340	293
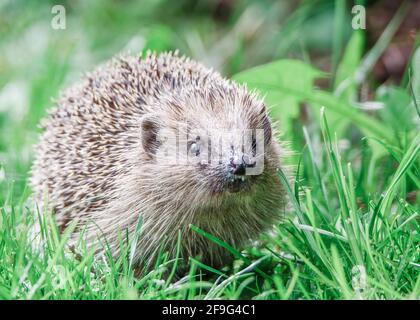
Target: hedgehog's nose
239	170
239	165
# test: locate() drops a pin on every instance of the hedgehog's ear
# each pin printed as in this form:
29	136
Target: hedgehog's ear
150	126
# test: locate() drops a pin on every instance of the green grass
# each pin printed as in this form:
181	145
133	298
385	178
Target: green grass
336	247
352	228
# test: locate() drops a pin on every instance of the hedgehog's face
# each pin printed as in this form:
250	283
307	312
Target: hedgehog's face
229	158
220	149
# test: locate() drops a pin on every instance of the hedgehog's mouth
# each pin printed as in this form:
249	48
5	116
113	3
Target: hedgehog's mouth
236	178
238	183
232	184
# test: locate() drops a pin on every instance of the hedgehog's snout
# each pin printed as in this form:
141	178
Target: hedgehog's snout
237	178
237	165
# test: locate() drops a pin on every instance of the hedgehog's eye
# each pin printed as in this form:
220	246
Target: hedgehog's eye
194	148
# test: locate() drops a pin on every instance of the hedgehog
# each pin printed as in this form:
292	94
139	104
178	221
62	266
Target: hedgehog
166	141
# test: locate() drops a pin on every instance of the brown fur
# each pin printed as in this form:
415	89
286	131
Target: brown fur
97	160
